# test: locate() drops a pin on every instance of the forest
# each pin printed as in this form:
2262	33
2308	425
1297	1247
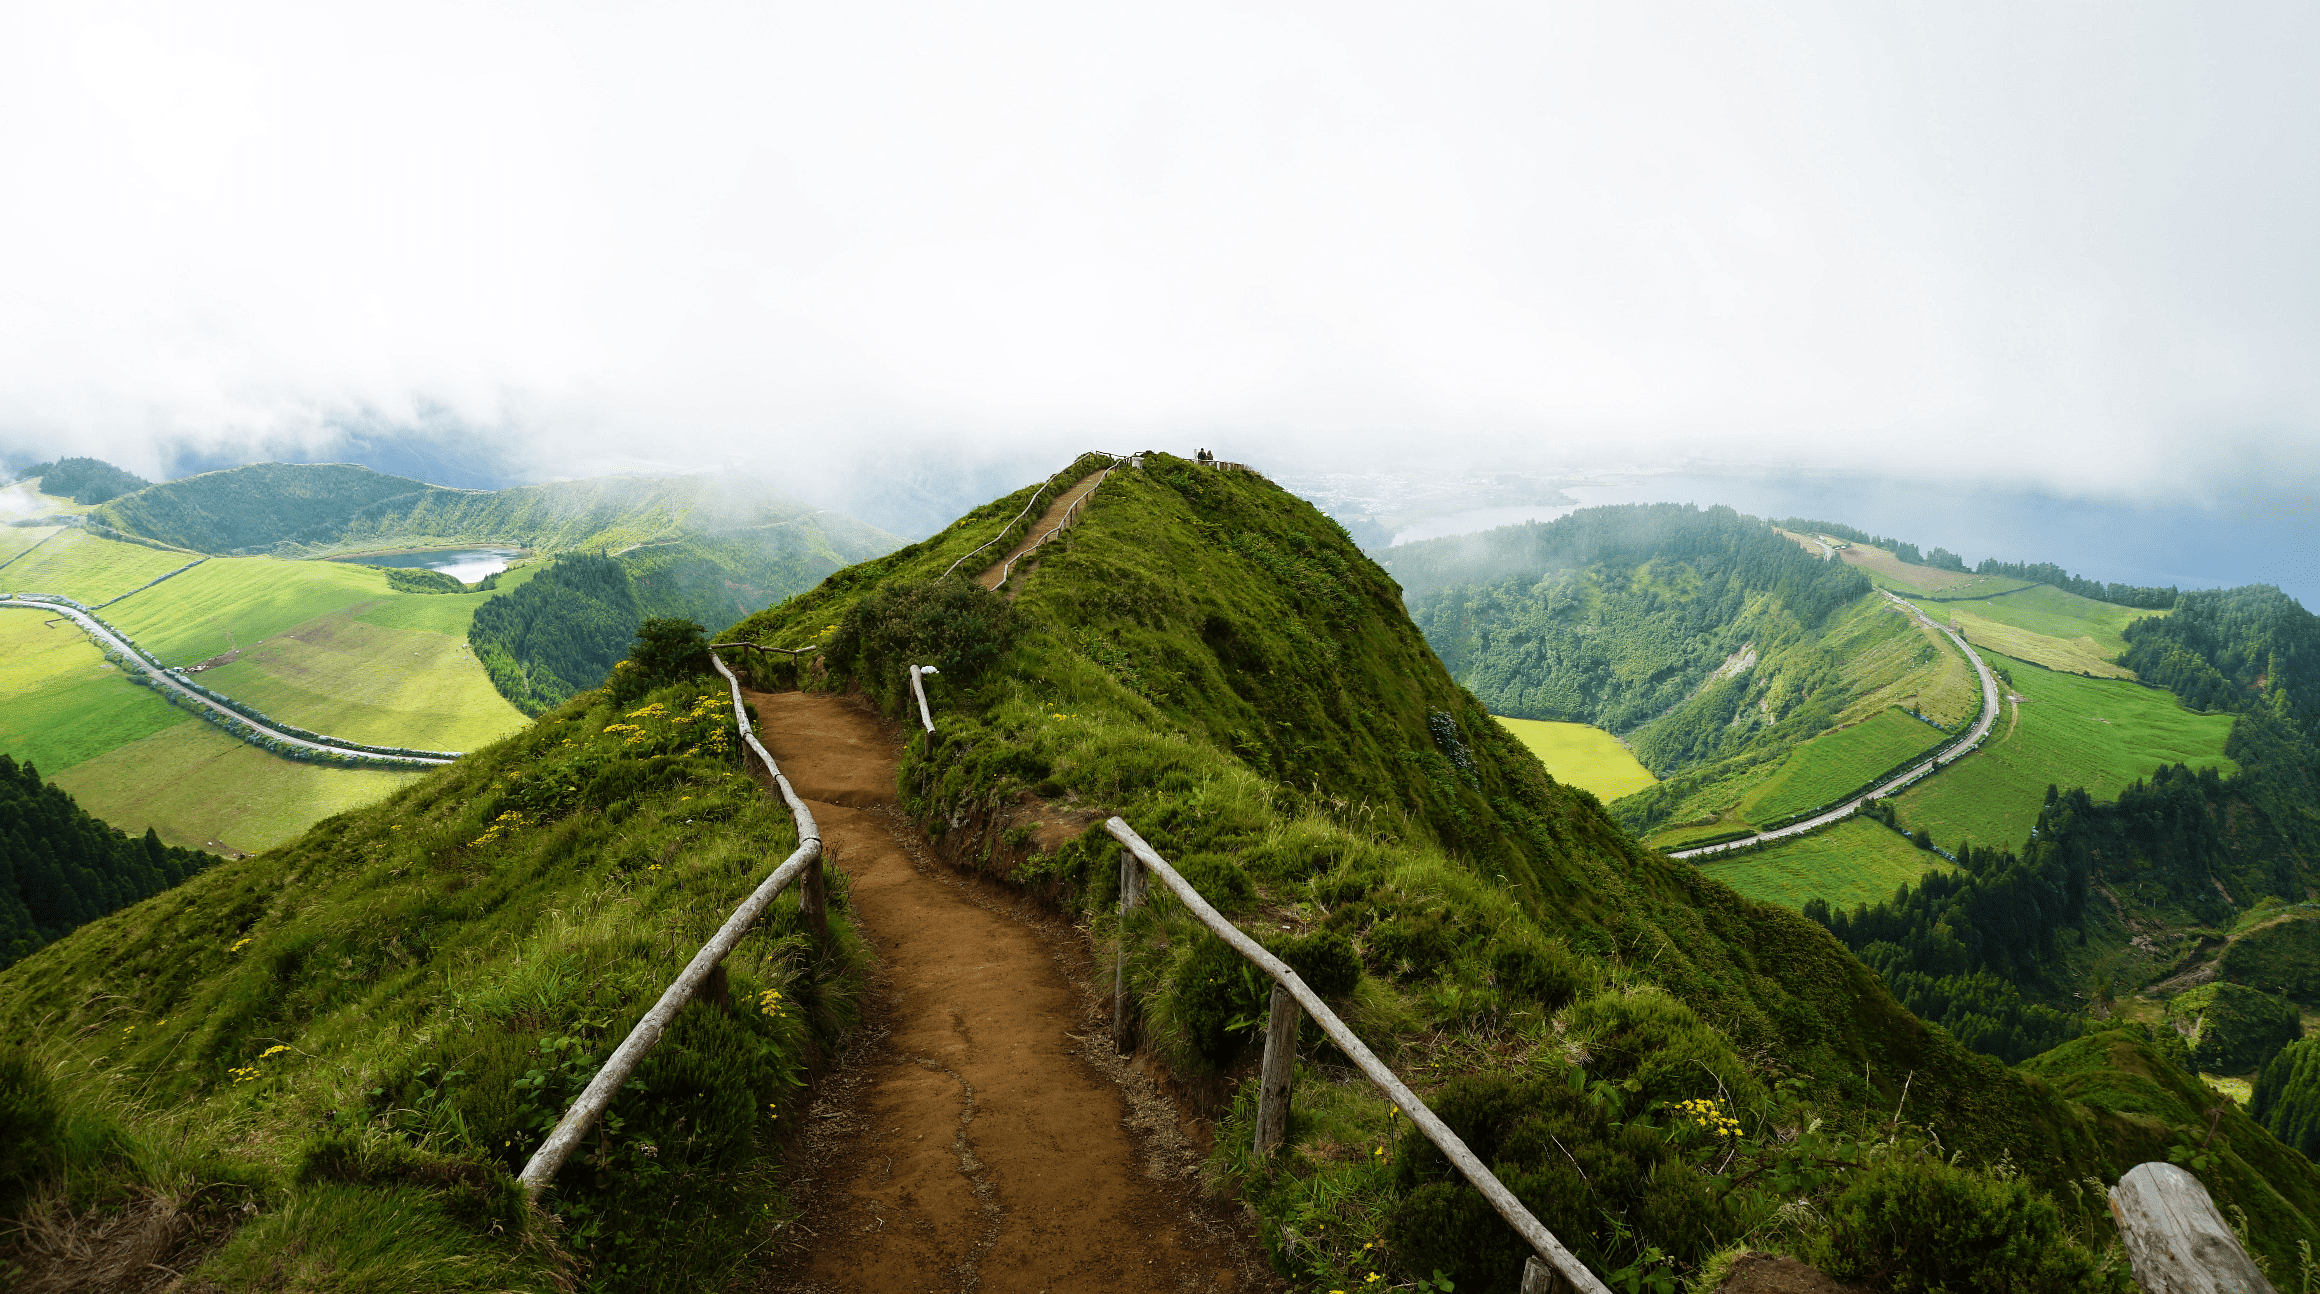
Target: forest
2124	595
83	480
60	867
558	634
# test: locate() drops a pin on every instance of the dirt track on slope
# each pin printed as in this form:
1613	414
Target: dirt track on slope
1040	529
981	1137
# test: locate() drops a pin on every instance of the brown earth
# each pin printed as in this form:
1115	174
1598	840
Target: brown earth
1040	530
1760	1273
983	1136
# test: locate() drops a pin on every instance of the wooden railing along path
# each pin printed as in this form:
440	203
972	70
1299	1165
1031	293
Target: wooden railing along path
1551	1266
813	907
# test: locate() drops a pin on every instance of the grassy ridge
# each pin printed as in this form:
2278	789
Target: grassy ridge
1856	861
1213	661
362	1035
1890	572
88	569
2068	731
1837	763
1586	757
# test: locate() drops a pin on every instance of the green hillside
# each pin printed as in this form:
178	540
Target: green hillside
1213	660
63	868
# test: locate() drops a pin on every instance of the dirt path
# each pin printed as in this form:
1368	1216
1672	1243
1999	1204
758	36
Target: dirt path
984	1146
1040	530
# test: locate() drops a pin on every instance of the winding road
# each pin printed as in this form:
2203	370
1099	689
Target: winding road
1973	741
163	678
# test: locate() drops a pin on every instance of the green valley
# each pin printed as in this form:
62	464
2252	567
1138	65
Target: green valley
1588	758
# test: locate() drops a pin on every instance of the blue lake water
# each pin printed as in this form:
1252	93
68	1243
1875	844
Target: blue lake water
2188	547
466	565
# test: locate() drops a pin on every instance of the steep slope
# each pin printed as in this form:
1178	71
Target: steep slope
59	867
1213	660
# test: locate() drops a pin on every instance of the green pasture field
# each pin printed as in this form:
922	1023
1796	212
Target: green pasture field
2044	624
87	569
348	678
200	788
22	498
15	541
1583	756
2101	734
1892	660
230	602
1887	571
445	613
61	703
1834	763
1854	862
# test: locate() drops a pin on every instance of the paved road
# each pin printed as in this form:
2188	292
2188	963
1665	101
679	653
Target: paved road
1973	740
163	678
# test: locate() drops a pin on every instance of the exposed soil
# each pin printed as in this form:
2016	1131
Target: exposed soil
1759	1273
1040	529
982	1135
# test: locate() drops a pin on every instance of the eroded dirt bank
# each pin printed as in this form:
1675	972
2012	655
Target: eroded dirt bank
981	1138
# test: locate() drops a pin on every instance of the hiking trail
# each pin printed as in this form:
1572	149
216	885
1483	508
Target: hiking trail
1043	528
978	1137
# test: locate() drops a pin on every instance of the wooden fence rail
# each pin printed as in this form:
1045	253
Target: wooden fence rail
806	862
1070	515
1550	1268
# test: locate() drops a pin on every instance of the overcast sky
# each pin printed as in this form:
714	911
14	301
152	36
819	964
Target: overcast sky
2070	245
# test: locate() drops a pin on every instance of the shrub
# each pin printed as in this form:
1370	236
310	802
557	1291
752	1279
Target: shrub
1325	960
1220	1001
1546	974
1222	883
1418	942
1921	1224
667	651
956	625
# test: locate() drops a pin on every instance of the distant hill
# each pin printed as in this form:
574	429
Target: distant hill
83	480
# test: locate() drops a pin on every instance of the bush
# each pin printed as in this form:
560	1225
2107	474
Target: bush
667	651
1220	1001
1223	884
1923	1225
1545	974
956	625
1325	960
1419	942
2236	1029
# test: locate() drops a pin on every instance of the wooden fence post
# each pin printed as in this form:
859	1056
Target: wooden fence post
814	903
2175	1239
1131	898
1280	1069
1539	1278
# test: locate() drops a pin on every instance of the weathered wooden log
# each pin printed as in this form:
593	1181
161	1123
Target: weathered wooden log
2176	1240
814	902
1538	1278
1131	898
1278	1073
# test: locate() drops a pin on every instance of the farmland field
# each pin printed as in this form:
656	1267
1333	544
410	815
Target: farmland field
1887	571
356	680
2044	624
61	703
87	569
16	540
2097	733
1824	769
1854	862
1582	756
229	602
197	787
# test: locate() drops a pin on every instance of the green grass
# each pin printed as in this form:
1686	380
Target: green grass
65	705
88	569
2101	734
1836	763
15	540
2059	630
198	787
1854	862
341	676
230	602
444	613
1586	757
339	1027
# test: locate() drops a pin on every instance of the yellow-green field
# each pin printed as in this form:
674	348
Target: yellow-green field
197	787
1854	862
1825	769
87	569
15	540
2101	734
2059	630
359	681
60	702
1887	571
1582	756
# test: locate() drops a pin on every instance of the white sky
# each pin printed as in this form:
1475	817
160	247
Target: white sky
2074	245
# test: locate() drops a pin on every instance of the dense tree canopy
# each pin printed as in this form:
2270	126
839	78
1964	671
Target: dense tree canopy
59	867
558	634
84	480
